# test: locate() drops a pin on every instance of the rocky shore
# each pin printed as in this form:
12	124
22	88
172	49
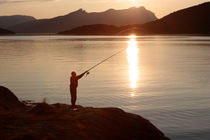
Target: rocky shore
41	121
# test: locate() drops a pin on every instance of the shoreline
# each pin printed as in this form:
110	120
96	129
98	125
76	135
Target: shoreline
56	34
60	121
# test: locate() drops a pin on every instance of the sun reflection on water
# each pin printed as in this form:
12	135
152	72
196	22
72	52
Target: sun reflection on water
132	57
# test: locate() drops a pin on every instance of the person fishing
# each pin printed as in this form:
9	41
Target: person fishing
73	86
74	79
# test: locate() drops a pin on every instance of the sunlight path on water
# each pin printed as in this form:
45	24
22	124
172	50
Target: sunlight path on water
132	57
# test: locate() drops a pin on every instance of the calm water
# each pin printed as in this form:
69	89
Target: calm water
163	78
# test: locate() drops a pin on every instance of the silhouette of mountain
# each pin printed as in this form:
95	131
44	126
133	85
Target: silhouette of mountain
193	20
96	29
81	17
5	32
8	21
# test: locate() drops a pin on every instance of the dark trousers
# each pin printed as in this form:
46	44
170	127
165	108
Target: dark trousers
73	91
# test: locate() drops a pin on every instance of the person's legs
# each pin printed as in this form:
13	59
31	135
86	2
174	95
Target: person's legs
74	98
73	91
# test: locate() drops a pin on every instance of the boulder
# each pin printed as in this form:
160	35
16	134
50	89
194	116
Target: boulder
8	100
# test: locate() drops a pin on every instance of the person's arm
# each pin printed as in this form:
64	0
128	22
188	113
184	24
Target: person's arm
81	75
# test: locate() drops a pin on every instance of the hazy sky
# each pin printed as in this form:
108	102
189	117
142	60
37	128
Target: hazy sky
51	8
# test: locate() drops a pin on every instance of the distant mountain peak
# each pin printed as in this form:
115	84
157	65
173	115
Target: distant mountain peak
79	11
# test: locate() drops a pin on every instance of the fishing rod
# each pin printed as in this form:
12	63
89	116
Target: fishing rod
105	60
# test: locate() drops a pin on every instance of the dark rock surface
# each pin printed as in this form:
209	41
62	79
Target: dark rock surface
60	121
8	101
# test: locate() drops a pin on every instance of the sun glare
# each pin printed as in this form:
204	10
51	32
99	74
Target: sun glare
132	56
132	94
132	36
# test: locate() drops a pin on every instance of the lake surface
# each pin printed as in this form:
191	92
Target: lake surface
165	79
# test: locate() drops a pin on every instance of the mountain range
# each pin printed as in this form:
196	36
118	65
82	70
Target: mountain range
7	22
139	21
80	17
192	20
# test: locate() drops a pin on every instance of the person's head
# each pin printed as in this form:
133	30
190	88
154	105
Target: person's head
73	74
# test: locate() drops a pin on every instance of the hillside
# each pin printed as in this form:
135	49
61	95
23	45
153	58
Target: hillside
96	29
193	20
5	32
81	17
7	21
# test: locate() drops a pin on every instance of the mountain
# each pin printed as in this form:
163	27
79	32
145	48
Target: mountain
81	17
96	29
5	32
193	20
8	21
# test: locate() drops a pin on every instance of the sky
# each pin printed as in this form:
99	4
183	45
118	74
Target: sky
51	8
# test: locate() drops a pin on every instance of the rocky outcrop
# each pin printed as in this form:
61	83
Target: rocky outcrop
60	121
8	101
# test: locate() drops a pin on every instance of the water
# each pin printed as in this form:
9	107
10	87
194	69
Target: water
165	79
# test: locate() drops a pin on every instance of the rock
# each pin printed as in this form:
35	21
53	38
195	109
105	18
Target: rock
8	101
60	121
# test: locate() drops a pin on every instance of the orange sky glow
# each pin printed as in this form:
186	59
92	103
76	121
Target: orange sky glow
51	8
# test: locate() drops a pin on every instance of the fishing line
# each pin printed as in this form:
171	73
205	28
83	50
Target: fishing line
105	60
